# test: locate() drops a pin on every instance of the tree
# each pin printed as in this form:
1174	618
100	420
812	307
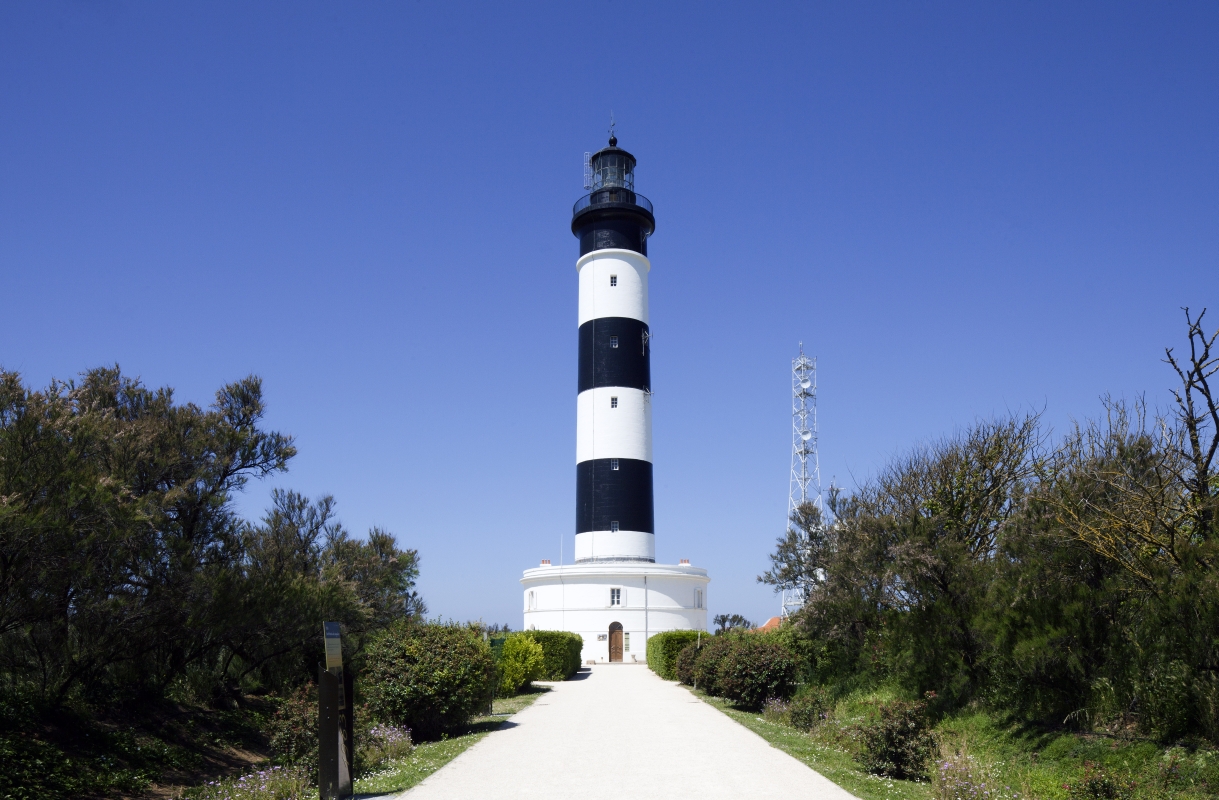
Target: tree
1153	494
897	582
1140	490
125	569
800	555
727	622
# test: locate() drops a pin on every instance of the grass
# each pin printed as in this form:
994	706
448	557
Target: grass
832	761
427	757
1037	763
1033	764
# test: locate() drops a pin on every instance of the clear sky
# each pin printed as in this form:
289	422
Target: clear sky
960	209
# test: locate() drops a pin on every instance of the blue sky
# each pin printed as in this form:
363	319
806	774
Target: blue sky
960	209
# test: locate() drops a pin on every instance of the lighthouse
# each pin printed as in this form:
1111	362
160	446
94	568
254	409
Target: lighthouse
614	513
615	595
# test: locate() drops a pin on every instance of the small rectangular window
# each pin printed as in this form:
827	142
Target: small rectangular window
698	598
613	280
614	526
613	402
615	597
613	463
614	342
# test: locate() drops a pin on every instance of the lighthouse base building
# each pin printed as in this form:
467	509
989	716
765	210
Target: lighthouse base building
615	596
616	606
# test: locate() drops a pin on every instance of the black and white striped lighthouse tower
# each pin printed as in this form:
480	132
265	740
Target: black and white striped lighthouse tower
614	517
615	595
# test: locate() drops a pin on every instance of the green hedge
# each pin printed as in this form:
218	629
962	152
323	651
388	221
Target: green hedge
519	662
560	653
753	670
706	668
429	678
664	647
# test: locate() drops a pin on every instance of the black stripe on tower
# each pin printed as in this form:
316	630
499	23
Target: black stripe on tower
619	234
605	495
614	351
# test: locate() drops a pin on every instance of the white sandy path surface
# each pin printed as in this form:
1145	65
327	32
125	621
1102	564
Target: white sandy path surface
620	731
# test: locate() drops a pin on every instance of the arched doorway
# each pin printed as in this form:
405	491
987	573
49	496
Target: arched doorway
615	641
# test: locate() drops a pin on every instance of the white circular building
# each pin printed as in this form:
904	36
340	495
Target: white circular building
615	595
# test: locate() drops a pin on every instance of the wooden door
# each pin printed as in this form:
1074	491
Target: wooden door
615	641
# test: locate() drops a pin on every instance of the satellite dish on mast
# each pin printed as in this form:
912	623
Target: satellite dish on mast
806	434
804	384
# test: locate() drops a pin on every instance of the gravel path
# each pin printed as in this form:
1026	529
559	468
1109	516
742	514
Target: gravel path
620	731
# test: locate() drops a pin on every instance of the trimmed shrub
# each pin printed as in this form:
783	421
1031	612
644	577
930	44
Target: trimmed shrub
560	654
754	670
707	662
810	707
683	666
663	649
520	661
429	678
898	742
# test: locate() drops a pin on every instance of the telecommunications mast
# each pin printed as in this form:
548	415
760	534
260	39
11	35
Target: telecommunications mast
804	485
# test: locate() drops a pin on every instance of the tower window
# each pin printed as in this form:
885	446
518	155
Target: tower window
614	342
533	601
613	463
698	598
614	525
613	280
613	402
615	597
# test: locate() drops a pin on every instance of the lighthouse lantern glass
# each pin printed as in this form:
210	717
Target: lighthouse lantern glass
613	169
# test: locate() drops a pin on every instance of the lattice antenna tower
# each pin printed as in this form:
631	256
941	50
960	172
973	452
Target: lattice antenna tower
804	485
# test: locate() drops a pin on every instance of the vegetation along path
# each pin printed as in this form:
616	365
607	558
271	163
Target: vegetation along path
619	730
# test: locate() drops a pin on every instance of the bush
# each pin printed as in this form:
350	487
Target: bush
1096	784
293	730
429	678
898	742
755	670
663	649
810	707
560	653
707	662
33	769
683	666
520	661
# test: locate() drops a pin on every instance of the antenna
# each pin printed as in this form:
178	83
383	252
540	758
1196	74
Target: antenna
804	485
588	171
